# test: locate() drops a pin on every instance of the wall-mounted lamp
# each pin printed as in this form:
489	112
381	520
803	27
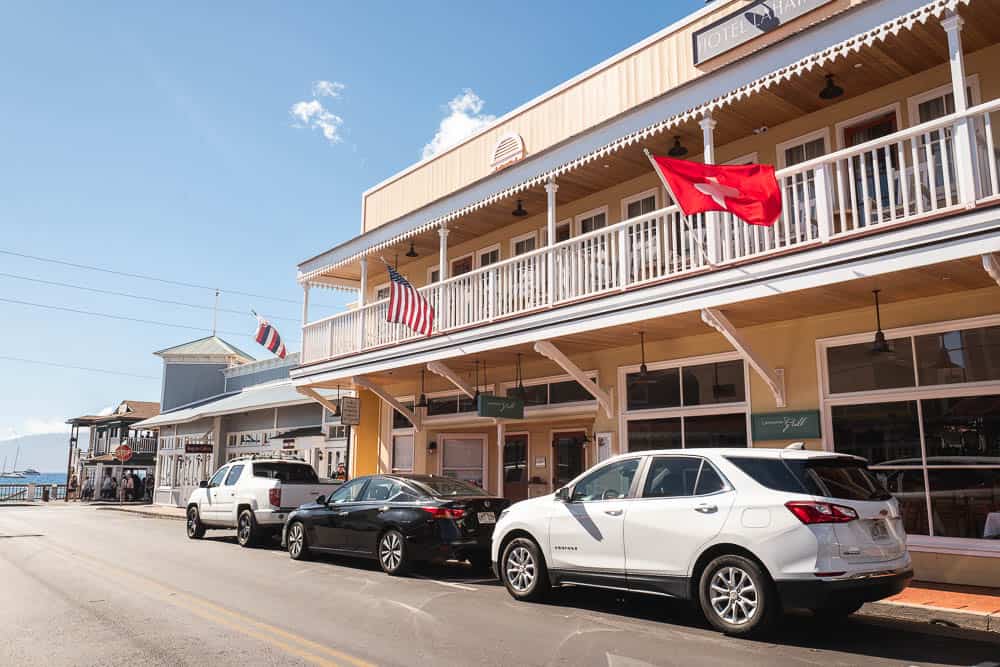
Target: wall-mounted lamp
432	447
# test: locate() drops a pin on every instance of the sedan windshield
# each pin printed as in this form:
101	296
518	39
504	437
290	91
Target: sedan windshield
446	486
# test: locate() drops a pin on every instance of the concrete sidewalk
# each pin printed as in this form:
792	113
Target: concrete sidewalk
157	511
942	604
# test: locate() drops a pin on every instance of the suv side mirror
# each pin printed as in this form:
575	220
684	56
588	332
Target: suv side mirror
562	495
203	484
321	500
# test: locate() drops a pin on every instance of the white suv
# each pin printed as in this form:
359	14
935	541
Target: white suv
745	532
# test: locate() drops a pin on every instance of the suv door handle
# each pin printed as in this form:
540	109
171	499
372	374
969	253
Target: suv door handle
706	508
614	512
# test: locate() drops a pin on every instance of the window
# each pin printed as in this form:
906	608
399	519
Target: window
802	149
433	275
349	492
398	420
449	405
234	475
555	392
926	416
463	459
286	471
336	432
515	459
382	292
523	244
383	488
217	478
640	204
489	255
564	230
402	453
840	478
607	483
681	476
461	265
592	220
686	405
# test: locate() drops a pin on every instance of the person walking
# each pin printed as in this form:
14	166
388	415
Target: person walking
71	487
107	487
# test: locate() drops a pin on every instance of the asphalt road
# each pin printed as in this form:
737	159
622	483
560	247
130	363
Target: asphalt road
85	586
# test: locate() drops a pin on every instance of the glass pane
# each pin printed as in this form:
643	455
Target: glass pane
883	433
466	404
907	486
644	434
716	431
569	458
660	389
709	481
594	222
611	481
965	503
537	394
640	207
463	454
398	420
569	391
402	452
803	152
234	475
671	477
445	405
962	431
515	459
856	368
562	233
972	355
714	383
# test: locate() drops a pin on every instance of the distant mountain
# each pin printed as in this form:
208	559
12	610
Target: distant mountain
46	452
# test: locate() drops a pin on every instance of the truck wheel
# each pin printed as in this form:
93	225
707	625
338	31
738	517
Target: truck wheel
737	597
195	528
246	529
392	554
523	571
298	544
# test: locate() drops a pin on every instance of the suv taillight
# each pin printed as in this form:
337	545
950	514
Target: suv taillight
810	512
274	496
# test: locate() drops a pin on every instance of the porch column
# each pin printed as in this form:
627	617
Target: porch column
501	437
550	228
964	149
305	304
441	317
712	218
362	300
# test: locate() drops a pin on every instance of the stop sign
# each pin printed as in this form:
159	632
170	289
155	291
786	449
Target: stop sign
123	453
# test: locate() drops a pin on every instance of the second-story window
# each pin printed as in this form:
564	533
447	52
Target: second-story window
382	292
638	207
489	256
590	222
523	244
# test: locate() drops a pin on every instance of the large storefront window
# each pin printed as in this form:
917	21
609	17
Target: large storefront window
463	458
926	415
677	405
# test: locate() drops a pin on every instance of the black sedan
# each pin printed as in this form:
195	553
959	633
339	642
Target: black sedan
399	520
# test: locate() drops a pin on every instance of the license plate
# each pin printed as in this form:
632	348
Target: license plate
879	530
487	517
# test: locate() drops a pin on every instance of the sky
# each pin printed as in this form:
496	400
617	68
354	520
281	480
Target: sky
219	144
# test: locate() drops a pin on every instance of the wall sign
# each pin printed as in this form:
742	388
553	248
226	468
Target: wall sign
350	410
197	448
747	24
539	461
786	425
500	407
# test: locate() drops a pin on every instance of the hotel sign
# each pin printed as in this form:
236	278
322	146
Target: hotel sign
747	24
500	407
799	425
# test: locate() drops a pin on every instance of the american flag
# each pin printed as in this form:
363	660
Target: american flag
407	306
269	337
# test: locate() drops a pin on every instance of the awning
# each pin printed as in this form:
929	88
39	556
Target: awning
345	254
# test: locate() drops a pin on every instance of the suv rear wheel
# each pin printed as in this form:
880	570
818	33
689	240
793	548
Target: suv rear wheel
246	529
195	528
737	597
523	570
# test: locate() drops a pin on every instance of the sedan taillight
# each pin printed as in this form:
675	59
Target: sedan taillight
274	496
810	512
444	512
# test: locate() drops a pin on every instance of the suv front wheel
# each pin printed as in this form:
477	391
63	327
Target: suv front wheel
523	571
737	597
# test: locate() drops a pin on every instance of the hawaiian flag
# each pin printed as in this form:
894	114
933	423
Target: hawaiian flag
269	337
407	306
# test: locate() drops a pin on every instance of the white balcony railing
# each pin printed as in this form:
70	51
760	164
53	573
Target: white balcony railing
138	445
895	179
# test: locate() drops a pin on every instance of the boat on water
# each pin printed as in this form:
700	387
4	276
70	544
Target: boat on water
13	474
30	472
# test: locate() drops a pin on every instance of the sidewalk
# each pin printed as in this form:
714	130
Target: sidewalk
952	606
157	511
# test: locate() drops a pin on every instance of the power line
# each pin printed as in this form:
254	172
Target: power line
142	277
77	368
119	317
135	296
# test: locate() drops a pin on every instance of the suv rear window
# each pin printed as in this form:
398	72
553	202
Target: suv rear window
841	478
286	472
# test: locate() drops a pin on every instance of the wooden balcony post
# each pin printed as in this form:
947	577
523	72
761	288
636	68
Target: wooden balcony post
964	138
305	304
712	218
362	300
550	228
441	316
824	202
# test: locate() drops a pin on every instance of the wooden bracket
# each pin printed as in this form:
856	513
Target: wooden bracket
319	398
380	391
991	264
773	378
439	368
547	349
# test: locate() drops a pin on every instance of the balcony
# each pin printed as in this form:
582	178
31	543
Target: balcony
139	445
921	173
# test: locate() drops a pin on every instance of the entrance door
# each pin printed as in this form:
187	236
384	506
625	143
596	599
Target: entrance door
462	458
568	456
515	467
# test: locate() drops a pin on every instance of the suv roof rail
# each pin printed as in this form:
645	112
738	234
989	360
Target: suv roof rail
281	456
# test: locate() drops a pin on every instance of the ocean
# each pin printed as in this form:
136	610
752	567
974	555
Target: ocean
44	478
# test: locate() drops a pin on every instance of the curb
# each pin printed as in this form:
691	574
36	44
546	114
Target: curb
153	515
939	616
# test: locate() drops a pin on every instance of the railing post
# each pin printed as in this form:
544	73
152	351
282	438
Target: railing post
712	218
441	315
550	227
624	275
824	202
362	300
964	147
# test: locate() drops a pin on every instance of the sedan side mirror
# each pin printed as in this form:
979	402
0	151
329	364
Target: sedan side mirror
320	500
203	484
562	495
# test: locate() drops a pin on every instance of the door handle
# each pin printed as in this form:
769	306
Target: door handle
384	508
706	508
341	513
614	512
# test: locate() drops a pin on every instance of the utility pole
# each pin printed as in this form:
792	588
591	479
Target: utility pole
215	312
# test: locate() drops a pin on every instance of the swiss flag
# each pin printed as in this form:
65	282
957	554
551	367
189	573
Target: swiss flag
750	192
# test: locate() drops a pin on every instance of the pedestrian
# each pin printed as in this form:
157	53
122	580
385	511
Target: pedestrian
139	493
107	486
71	486
88	489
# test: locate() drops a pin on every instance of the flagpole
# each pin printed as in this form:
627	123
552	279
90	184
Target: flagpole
699	243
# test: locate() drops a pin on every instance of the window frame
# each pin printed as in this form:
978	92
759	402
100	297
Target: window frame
378	288
484	443
578	219
821	133
914	101
483	251
413	450
459	258
523	237
841	127
746	158
727	486
640	473
639	196
550	380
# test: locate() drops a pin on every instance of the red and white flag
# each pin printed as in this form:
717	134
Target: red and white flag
268	336
750	192
407	305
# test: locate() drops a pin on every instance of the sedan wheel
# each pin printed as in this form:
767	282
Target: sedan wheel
392	553
737	597
297	547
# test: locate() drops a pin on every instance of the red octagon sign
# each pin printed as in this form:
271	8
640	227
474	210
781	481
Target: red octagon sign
123	453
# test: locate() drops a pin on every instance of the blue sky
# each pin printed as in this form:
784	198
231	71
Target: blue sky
191	142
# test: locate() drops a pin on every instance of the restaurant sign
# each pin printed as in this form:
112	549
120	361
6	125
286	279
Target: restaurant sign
786	425
500	407
198	448
747	24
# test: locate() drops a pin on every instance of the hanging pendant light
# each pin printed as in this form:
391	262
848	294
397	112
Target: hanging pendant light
519	212
412	252
422	403
831	91
521	393
880	345
644	377
677	150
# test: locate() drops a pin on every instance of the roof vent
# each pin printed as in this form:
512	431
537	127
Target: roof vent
797	446
509	149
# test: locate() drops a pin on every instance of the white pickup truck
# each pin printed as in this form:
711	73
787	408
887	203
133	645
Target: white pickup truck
253	494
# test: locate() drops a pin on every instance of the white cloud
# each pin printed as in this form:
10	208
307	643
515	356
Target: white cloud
327	88
107	411
465	117
313	114
35	426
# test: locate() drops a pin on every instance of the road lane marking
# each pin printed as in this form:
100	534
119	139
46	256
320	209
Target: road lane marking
445	583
